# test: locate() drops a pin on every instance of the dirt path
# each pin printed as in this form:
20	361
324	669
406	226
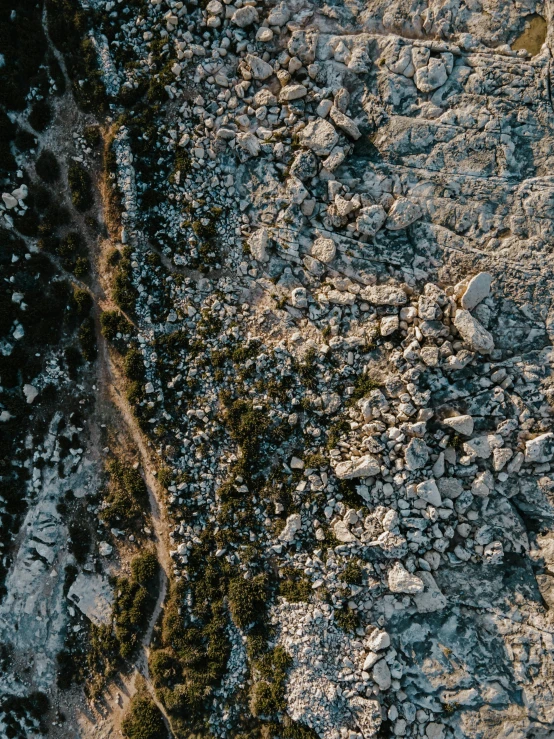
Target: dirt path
111	383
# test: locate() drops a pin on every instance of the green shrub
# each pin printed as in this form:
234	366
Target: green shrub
145	568
25	140
93	136
113	322
143	720
81	268
79	542
127	498
80	184
73	359
87	339
113	257
268	693
47	166
363	385
83	301
295	586
247	600
347	619
133	364
69	246
352	573
124	293
132	609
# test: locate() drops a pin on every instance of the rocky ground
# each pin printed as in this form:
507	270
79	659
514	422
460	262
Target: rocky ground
322	284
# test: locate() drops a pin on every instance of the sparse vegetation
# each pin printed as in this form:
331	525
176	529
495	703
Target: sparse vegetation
80	184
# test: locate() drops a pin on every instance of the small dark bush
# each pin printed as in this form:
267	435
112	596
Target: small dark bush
41	115
80	184
93	136
83	301
134	364
295	586
113	322
247	600
24	140
69	245
73	359
87	339
81	268
268	694
347	619
79	541
47	166
127	498
352	573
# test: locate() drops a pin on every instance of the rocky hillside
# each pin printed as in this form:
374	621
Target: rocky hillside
306	251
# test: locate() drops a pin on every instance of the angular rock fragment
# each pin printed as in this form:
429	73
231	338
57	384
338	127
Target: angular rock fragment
324	250
540	449
365	466
432	76
403	213
371	219
345	123
472	332
292	92
260	70
402	581
460	424
478	289
292	526
416	454
258	244
384	295
320	136
429	491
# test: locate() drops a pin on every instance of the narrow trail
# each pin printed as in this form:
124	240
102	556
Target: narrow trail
110	382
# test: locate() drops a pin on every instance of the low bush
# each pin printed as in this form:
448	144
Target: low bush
87	339
113	322
133	364
132	610
352	574
81	267
124	293
79	542
80	184
127	498
347	619
47	166
143	719
145	569
73	360
268	693
93	136
83	301
41	115
295	586
247	600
